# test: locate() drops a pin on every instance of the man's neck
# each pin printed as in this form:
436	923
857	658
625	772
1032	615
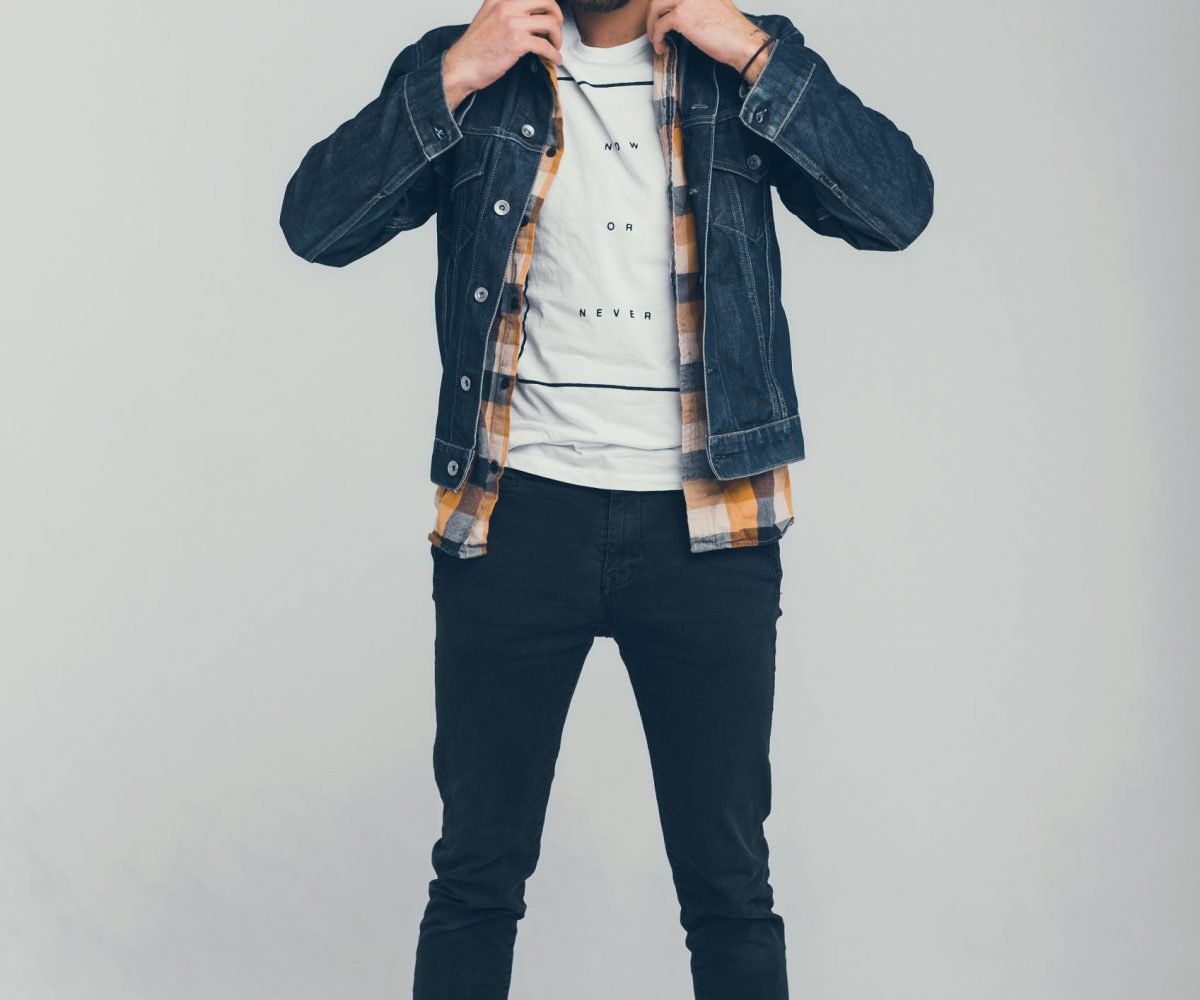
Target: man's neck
614	27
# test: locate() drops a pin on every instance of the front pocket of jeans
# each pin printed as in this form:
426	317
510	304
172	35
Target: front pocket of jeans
509	482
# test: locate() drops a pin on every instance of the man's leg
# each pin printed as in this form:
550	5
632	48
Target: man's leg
697	634
513	629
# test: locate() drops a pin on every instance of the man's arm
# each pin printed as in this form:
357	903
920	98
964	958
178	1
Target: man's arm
372	178
842	168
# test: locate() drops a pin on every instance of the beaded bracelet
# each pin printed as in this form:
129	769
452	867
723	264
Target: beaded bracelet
770	39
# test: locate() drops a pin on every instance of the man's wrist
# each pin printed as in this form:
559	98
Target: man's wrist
754	52
455	89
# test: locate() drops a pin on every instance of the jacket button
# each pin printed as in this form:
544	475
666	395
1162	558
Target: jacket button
754	161
452	467
759	116
501	207
481	294
465	382
527	130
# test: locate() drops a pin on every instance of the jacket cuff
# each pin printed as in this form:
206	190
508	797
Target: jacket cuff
777	90
425	101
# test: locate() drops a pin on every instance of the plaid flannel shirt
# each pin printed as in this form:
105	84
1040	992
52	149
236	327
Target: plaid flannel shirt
720	513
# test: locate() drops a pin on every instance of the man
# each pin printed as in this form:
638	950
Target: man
615	351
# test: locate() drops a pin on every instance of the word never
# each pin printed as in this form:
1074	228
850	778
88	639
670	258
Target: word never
603	311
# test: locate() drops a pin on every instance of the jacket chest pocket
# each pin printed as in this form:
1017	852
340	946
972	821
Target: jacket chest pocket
741	193
455	228
741	187
456	220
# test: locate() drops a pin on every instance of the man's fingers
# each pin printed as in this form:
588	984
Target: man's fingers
657	9
539	45
538	7
541	24
658	28
659	20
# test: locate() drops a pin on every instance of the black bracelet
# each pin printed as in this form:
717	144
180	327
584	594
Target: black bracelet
770	39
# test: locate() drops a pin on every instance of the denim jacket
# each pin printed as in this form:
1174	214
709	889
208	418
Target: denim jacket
842	168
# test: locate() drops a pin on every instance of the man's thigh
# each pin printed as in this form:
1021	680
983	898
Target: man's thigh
697	633
513	628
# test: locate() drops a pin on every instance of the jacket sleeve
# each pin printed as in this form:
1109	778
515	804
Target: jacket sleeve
842	168
372	177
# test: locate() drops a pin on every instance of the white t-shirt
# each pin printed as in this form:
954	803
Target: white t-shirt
597	400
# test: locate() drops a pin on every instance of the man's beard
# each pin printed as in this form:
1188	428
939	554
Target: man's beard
598	6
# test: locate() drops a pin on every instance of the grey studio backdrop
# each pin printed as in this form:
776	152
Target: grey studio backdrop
216	713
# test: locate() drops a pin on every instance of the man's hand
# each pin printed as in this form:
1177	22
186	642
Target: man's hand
501	32
716	27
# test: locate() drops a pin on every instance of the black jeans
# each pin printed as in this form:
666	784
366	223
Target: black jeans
696	632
